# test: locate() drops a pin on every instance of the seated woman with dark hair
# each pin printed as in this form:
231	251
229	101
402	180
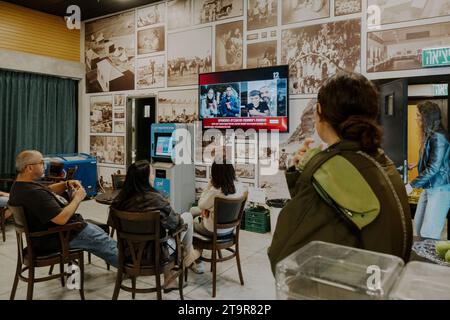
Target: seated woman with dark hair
351	193
137	195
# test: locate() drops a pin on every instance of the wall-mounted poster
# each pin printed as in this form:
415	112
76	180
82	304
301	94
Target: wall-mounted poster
119	114
108	149
388	11
303	10
151	15
212	10
151	40
187	56
199	187
177	106
261	14
120	100
317	52
344	7
229	50
178	14
150	72
401	49
109	53
245	171
200	172
119	126
101	114
105	176
262	54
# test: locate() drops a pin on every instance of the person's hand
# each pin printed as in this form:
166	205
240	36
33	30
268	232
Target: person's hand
205	213
228	105
301	152
253	112
74	184
412	166
79	194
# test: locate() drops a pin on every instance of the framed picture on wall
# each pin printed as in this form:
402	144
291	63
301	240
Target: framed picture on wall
178	14
105	176
187	56
262	54
344	7
229	46
201	172
108	149
151	40
261	14
151	15
177	106
150	72
101	114
120	100
206	11
294	11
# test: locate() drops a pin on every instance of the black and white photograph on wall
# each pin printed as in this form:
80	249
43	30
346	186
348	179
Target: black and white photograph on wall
274	186
150	72
109	53
303	10
108	149
178	14
317	52
206	11
151	15
344	7
105	176
119	114
199	187
188	55
177	106
119	126
229	46
302	126
262	54
120	100
245	152
200	172
101	111
151	40
245	171
401	49
262	14
388	11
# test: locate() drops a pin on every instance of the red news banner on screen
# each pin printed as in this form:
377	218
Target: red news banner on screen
271	123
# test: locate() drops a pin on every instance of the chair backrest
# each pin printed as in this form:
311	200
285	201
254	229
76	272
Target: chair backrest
228	212
137	233
21	225
118	181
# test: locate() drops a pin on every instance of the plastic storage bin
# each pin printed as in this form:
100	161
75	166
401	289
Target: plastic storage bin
423	281
257	220
326	271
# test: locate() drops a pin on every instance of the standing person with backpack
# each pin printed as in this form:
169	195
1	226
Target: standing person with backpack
350	193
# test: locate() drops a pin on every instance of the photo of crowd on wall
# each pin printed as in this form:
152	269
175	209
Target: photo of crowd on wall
244	99
315	53
108	149
212	10
101	114
262	54
177	106
261	14
304	10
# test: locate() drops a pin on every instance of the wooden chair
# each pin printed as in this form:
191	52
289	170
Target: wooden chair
27	259
3	222
139	242
227	214
118	181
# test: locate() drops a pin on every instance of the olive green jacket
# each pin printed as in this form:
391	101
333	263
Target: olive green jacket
308	217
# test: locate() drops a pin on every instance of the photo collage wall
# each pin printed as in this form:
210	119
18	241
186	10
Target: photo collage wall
162	48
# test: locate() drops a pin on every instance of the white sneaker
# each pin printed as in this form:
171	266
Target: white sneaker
198	267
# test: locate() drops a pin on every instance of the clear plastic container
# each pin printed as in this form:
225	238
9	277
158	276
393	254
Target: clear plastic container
328	271
423	281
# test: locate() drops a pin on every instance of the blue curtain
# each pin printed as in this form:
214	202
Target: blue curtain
36	112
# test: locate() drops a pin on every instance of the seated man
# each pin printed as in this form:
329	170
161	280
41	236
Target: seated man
258	107
45	208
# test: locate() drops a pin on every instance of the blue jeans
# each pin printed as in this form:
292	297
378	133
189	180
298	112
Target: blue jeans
96	241
431	212
3	201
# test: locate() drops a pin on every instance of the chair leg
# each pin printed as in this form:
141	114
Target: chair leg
133	285
30	283
158	286
89	257
214	270
81	266
16	280
51	270
220	254
186	274
180	285
238	261
108	267
61	271
118	284
2	224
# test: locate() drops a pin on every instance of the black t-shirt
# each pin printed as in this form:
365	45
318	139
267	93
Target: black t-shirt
40	205
262	107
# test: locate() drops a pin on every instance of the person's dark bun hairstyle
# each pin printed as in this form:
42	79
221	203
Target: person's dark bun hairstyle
349	103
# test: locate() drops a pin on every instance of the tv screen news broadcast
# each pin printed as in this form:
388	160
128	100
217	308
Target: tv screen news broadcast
247	99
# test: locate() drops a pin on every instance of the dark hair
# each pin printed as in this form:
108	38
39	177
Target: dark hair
223	177
349	103
255	93
431	118
136	182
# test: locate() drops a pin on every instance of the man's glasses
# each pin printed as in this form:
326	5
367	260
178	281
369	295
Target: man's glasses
42	162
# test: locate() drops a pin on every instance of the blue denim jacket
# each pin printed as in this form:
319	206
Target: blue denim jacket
434	164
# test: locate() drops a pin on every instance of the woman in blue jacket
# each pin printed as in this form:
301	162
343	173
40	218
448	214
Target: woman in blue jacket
434	172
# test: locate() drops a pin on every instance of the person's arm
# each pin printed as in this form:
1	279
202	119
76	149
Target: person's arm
4	194
62	186
206	201
69	210
170	220
438	146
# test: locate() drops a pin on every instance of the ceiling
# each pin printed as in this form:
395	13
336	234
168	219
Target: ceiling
89	8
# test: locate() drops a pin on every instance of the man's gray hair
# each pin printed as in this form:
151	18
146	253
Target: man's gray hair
26	158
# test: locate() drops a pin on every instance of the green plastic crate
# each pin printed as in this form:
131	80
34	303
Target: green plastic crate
257	220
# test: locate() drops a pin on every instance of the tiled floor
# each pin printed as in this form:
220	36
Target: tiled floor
99	282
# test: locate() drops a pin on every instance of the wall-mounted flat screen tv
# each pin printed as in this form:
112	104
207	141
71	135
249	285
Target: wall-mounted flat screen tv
248	99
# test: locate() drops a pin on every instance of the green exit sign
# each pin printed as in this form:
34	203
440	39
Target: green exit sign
436	57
